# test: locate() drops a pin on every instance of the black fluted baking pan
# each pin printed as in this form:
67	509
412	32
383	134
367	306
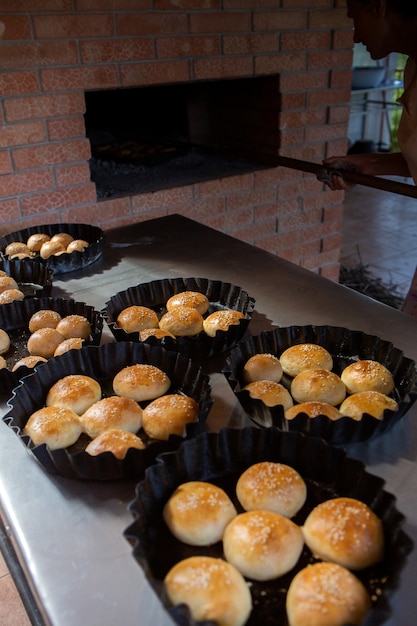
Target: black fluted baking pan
63	263
14	319
221	458
102	363
33	279
155	294
345	346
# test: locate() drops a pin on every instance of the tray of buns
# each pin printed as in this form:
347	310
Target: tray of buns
119	405
290	526
343	385
62	248
20	279
24	344
196	317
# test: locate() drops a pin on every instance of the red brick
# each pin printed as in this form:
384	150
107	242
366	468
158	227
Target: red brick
51	153
324	60
58	199
9	210
67	175
159	199
280	20
109	5
37	54
33	6
16	184
328	97
220	22
307	40
253	197
162	72
41	106
202	209
22	134
250	43
305	81
277	63
116	50
16	27
153	23
222	67
183	5
65	127
98	77
187	46
331	271
15	83
99	213
5	163
73	26
222	186
330	19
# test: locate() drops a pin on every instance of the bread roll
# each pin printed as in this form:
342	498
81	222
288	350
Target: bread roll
51	248
262	545
16	247
182	321
75	391
28	361
63	238
115	441
326	594
44	318
35	241
262	367
197	513
3	363
193	299
141	382
372	402
73	343
112	413
212	589
305	356
345	531
7	282
318	385
271	394
168	415
313	409
74	326
4	341
271	487
135	318
154	332
10	295
221	320
44	342
57	427
77	245
367	375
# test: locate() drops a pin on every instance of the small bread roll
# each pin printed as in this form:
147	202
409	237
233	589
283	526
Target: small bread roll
115	441
262	367
57	427
35	241
197	513
271	394
326	594
7	282
73	343
135	318
193	299
3	363
44	342
44	318
50	248
367	375
168	415
212	589
345	531
75	391
221	320
182	321
4	341
74	326
305	356
77	245
110	413
28	361
63	238
16	247
313	409
262	545
318	385
372	402
154	332
10	295
271	487
141	382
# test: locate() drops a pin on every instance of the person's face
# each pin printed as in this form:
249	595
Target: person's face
371	27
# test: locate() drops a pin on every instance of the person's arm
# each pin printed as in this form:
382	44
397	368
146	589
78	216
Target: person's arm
371	163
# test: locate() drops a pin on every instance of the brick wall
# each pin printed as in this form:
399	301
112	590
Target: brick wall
54	50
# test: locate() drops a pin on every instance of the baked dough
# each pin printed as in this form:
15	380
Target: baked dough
77	245
372	402
262	545
115	441
74	326
263	366
28	361
3	363
135	318
75	391
35	241
193	299
271	394
4	341
221	320
16	247
271	487
326	594
73	343
44	342
212	589
44	318
305	356
168	415
7	282
57	427
313	409
318	385
182	321
51	248
141	382
367	375
110	413
154	332
63	238
197	513
10	295
345	531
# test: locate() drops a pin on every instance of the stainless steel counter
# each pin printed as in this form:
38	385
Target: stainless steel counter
68	534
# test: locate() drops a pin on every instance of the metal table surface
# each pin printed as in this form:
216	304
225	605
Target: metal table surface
68	535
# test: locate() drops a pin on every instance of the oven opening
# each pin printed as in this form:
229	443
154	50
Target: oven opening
146	139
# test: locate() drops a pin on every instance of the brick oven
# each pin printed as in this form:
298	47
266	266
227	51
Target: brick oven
261	78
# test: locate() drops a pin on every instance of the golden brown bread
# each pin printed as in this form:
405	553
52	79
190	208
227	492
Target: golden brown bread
271	393
141	382
326	594
75	391
135	318
35	241
7	282
313	409
74	326
262	366
193	299
44	318
197	513
73	343
4	341
367	375
154	332
305	356
372	402
182	321
57	427
51	248
44	342
10	295
16	247
318	385
77	245
116	441
168	415
63	238
221	320
112	413
28	361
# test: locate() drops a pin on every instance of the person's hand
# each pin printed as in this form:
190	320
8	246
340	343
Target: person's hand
334	167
